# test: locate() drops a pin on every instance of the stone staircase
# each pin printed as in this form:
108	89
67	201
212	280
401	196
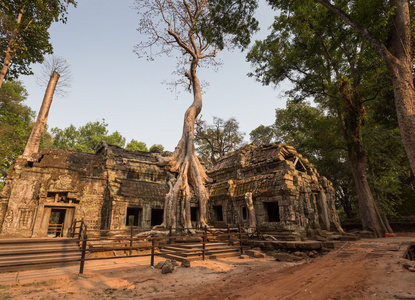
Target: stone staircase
30	254
193	251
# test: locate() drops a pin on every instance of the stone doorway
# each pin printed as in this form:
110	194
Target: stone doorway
54	215
56	220
156	216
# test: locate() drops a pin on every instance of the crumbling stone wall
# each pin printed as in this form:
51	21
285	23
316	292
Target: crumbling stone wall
117	188
98	188
134	181
279	179
69	181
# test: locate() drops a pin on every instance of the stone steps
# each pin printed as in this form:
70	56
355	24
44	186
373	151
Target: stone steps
194	251
31	254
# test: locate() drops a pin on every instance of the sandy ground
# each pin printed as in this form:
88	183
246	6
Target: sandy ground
366	269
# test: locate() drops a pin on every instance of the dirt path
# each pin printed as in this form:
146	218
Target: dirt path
367	269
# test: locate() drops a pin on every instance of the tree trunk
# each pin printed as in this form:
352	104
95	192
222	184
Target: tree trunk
10	49
369	214
188	169
33	143
400	70
399	65
251	210
351	125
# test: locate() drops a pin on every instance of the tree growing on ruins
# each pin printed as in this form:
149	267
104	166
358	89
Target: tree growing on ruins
24	36
173	25
217	139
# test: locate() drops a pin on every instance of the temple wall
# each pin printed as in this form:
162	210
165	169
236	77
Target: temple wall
116	188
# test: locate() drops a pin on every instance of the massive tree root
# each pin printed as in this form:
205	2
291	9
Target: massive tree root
189	173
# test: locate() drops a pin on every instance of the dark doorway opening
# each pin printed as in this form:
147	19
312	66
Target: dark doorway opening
218	213
244	212
194	214
56	220
156	216
273	211
133	216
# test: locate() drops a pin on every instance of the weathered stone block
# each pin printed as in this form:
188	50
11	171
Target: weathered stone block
286	257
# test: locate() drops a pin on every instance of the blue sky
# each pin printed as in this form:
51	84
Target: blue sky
109	81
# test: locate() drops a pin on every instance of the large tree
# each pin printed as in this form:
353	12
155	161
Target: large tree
384	24
310	47
217	139
24	36
173	25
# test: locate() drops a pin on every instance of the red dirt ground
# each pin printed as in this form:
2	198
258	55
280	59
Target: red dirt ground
366	269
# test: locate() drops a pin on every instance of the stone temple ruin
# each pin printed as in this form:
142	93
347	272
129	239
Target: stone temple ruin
116	188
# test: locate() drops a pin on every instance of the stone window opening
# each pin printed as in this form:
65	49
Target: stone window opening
273	211
218	213
299	166
133	216
156	216
194	214
244	213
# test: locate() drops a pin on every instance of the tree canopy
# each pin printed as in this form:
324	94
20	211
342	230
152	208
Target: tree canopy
312	48
141	146
16	121
86	137
24	36
262	135
215	140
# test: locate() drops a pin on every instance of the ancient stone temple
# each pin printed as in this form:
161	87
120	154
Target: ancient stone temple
287	192
115	189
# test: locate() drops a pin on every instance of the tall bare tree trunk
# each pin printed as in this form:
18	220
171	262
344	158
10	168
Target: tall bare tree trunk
185	163
33	143
10	48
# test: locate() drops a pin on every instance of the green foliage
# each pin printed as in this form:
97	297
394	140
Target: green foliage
141	146
233	17
214	141
16	123
389	171
85	138
317	135
137	146
159	146
262	135
29	40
